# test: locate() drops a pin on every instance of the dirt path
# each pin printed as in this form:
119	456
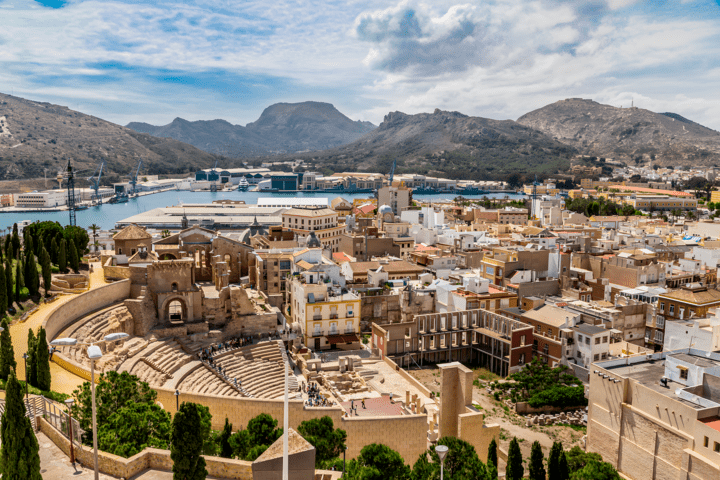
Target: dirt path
62	380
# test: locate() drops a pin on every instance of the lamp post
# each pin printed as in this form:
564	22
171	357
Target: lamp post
177	400
25	357
94	353
69	402
441	450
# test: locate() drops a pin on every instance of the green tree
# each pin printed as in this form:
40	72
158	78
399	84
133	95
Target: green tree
94	229
577	458
250	443
10	287
514	469
31	360
42	360
77	235
596	470
7	354
461	462
20	452
492	453
557	463
19	282
113	391
133	428
15	241
8	247
3	293
54	251
46	266
378	462
537	462
329	442
32	279
62	256
224	446
187	440
73	260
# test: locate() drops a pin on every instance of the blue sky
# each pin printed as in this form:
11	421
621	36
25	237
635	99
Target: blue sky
204	59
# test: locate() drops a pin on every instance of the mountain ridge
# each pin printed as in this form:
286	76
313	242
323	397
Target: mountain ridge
281	128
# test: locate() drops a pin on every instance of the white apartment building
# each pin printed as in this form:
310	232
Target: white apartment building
51	198
591	344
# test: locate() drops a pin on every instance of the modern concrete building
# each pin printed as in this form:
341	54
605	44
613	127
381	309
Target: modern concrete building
657	416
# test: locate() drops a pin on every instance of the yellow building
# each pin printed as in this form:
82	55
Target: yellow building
329	319
549	189
661	202
715	196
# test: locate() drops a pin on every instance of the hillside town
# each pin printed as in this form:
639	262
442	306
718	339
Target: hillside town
566	320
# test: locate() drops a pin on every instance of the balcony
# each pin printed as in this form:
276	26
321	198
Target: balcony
318	333
349	331
333	316
317	317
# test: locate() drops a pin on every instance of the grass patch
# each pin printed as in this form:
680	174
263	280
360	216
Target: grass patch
577	428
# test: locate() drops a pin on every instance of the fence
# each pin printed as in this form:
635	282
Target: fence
55	413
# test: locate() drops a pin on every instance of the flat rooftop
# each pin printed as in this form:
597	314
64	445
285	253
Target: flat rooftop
648	374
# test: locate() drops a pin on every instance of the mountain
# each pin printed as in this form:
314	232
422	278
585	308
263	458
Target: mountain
282	128
450	144
38	138
626	133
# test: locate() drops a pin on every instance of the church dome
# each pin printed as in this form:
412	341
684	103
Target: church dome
385	209
313	241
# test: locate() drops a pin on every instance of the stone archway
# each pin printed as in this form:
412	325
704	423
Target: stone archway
168	256
175	309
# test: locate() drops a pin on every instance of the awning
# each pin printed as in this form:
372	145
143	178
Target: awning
347	338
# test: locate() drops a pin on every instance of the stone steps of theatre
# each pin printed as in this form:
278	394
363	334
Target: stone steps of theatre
146	352
181	373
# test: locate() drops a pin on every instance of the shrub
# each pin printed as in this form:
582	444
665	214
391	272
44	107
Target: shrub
559	396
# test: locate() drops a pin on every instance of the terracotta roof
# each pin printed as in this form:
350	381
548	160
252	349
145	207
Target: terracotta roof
548	314
341	257
132	232
697	297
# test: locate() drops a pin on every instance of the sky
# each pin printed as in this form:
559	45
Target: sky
133	60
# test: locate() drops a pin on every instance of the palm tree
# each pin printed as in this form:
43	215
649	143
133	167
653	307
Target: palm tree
94	229
165	233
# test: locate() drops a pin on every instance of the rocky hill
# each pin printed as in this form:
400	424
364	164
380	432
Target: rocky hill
628	134
282	128
36	137
451	144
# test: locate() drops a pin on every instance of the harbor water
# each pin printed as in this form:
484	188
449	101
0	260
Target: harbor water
106	215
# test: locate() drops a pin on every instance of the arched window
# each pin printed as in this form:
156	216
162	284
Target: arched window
175	311
175	287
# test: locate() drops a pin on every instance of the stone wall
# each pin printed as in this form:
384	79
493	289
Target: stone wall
472	429
149	458
76	308
361	431
413	381
116	273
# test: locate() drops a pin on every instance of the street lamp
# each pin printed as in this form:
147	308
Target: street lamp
25	357
177	400
94	353
69	402
441	450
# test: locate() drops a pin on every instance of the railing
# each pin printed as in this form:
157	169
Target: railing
333	316
318	333
317	317
349	331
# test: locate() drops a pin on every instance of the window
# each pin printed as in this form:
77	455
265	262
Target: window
716	447
672	309
603	356
706	442
580	338
587	340
597	357
597	340
683	373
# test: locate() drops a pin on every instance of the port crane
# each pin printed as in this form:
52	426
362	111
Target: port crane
392	171
213	174
95	183
133	179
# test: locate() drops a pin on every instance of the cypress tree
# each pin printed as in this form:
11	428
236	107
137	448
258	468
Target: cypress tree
187	439
7	247
15	241
62	256
514	469
31	359
10	287
46	270
73	261
3	293
492	452
54	251
226	449
19	281
537	466
7	354
32	280
42	360
20	452
29	249
557	463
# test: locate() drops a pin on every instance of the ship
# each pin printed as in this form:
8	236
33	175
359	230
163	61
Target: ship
243	185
